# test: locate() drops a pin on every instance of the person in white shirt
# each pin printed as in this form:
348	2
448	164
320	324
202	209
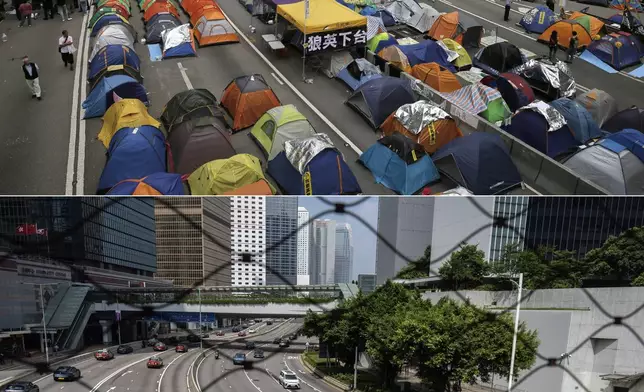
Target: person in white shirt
32	77
66	49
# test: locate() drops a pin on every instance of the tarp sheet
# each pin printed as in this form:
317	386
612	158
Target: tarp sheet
324	16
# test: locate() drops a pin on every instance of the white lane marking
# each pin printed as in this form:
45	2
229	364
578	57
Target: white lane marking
80	162
297	92
166	369
251	381
276	78
112	375
111	389
301	379
184	76
5	379
73	126
128	372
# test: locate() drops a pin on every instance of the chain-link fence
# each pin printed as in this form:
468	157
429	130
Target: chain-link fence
545	361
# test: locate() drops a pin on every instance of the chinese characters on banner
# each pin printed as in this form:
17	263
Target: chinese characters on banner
319	42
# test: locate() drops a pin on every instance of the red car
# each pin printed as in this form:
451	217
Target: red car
181	348
220	333
242	333
104	355
155	362
160	347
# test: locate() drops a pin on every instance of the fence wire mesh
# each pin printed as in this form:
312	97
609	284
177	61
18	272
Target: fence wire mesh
40	369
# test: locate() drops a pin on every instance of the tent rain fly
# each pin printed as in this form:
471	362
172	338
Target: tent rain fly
324	16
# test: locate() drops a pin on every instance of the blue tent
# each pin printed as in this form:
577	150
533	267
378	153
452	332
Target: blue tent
368	11
390	170
133	153
427	51
102	97
352	7
185	49
579	120
104	21
328	173
358	72
113	55
619	19
538	19
167	184
378	98
628	53
386	43
387	18
479	162
533	128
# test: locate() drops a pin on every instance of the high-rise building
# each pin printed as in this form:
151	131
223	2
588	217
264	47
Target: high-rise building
323	268
513	210
580	224
281	240
248	240
367	283
193	240
343	254
303	248
405	226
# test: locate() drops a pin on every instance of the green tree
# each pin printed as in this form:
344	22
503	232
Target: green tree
418	268
621	257
639	281
465	268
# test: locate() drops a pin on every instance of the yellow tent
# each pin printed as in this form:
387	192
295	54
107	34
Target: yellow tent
324	15
126	113
225	175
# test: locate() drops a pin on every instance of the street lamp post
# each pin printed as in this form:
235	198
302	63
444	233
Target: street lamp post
118	320
44	319
516	331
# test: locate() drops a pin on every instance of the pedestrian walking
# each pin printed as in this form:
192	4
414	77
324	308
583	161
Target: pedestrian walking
25	10
16	6
67	49
32	77
508	7
572	47
553	44
62	10
83	6
48	8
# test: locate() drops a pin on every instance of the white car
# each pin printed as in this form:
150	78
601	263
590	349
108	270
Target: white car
251	331
288	380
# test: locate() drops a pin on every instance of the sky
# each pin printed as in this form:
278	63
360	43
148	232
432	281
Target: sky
364	240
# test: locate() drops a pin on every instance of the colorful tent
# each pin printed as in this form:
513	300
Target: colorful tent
619	50
160	7
158	184
479	99
622	19
540	73
515	90
113	35
592	24
631	118
541	126
188	105
225	175
110	90
178	42
212	28
498	58
404	10
479	162
278	126
616	163
312	166
111	59
395	56
246	99
424	20
105	20
423	123
154	31
538	19
378	98
328	16
381	41
427	51
436	77
599	104
399	164
459	27
564	29
198	141
579	120
358	72
446	26
133	153
127	113
463	61
106	11
633	5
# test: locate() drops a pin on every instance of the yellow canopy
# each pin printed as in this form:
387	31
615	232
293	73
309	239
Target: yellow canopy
126	113
324	15
224	175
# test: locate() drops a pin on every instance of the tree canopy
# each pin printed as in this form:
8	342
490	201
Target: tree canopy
418	268
465	268
449	343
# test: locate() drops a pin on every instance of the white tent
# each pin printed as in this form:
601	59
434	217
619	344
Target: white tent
404	10
114	34
423	20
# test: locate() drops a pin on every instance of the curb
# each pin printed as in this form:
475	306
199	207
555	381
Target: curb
330	381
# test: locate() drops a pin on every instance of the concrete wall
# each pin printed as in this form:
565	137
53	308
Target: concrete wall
269	310
596	346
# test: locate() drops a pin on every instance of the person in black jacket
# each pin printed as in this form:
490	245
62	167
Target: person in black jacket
48	9
32	77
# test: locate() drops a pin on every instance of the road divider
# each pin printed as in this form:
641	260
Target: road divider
327	379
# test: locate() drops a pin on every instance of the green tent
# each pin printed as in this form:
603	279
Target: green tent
99	14
497	110
278	126
584	21
463	59
121	2
372	44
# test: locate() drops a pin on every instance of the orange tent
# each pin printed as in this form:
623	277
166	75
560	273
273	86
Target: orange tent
395	56
436	77
433	136
246	99
195	16
212	28
446	26
159	7
596	25
564	30
122	10
259	188
196	6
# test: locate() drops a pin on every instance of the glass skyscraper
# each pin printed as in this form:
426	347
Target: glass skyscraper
343	253
513	210
281	240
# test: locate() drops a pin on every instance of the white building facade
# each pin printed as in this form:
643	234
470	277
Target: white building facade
323	268
248	240
303	247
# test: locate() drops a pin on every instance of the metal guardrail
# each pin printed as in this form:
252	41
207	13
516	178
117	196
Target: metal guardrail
537	170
